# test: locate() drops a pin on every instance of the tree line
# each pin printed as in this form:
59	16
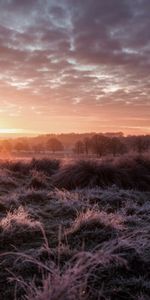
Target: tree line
96	144
53	145
101	145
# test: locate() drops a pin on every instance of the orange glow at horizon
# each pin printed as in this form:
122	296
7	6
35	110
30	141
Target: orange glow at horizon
9	130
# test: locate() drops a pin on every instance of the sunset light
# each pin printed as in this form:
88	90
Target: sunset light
74	66
10	130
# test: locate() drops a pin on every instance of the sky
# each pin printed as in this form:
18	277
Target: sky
74	66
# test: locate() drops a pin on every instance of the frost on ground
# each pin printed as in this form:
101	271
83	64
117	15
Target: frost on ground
77	231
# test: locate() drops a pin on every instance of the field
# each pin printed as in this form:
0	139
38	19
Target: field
75	231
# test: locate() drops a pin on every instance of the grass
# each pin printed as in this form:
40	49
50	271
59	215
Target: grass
128	173
17	227
77	231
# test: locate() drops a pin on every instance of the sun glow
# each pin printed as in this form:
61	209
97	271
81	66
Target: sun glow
10	130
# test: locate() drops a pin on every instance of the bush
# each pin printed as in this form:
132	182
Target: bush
45	165
129	174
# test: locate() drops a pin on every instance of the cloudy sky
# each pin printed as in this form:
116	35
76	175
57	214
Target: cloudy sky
75	65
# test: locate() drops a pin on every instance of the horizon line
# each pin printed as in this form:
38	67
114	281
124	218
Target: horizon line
22	133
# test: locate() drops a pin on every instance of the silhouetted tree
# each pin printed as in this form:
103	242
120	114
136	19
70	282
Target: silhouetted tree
116	146
100	144
22	146
38	147
141	143
78	147
87	145
54	145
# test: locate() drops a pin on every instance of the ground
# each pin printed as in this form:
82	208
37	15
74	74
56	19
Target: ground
76	231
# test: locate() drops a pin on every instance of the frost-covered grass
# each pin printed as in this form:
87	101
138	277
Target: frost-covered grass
127	173
75	231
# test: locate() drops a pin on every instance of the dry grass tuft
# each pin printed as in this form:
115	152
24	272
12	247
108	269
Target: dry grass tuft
18	227
92	228
131	173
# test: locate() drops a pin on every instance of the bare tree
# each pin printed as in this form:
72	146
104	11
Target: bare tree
100	144
78	147
116	146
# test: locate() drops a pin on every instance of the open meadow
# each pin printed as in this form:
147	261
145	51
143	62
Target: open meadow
78	230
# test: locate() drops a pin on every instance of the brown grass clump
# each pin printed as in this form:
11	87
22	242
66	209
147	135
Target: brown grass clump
38	180
18	227
84	278
67	286
6	180
21	167
131	174
92	228
32	195
84	173
45	165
